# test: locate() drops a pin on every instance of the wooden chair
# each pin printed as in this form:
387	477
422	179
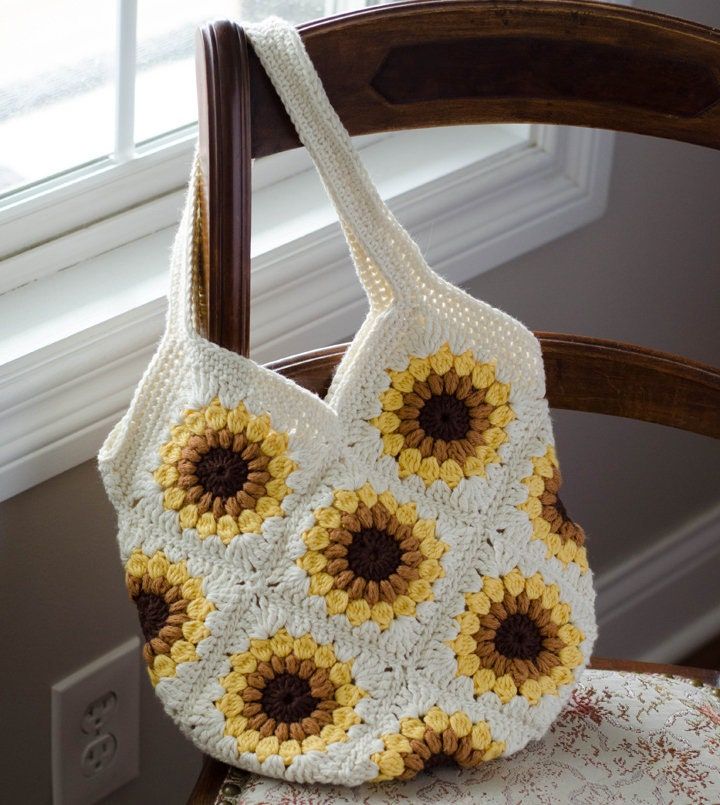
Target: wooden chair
432	63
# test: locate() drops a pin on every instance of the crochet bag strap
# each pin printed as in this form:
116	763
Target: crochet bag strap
388	261
185	295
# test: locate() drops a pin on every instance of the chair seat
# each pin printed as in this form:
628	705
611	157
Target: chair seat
622	738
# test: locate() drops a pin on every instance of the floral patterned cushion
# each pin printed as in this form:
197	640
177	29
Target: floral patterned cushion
622	738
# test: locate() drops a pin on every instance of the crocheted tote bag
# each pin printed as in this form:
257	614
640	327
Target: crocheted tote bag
349	589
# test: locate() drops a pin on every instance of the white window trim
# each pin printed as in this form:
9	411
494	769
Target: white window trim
61	399
90	211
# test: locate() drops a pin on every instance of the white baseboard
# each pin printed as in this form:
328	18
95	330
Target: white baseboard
664	602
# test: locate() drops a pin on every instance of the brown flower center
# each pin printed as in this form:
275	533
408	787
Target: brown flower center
518	637
445	417
153	612
439	759
287	698
374	555
222	471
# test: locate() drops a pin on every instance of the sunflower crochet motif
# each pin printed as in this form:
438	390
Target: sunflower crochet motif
360	587
443	417
371	558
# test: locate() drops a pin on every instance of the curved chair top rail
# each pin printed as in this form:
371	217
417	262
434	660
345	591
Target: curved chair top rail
443	62
439	63
586	374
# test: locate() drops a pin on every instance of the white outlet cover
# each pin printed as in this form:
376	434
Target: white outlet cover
118	672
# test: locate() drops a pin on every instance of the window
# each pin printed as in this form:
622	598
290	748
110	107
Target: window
92	174
99	115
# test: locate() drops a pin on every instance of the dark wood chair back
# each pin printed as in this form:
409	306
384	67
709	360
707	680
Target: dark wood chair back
443	62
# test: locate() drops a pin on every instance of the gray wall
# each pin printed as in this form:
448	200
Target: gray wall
647	272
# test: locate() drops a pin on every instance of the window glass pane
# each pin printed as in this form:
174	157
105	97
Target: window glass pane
56	90
165	90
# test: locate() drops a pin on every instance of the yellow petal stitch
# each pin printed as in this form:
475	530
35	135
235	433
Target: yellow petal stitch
371	557
407	752
444	416
225	471
516	638
172	610
288	696
564	539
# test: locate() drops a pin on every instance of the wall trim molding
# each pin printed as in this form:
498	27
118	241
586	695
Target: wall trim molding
60	401
673	581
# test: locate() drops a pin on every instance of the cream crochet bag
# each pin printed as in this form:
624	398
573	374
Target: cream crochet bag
353	588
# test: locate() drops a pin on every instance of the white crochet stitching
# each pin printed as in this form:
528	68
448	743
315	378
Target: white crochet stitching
253	580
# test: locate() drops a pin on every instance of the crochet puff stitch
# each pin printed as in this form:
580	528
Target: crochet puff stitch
354	588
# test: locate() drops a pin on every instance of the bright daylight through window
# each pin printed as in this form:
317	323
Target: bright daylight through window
59	99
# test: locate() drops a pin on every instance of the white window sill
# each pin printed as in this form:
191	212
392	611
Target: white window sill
73	344
289	213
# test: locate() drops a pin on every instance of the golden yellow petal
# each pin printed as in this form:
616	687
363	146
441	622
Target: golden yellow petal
331	734
321	584
340	674
367	495
266	747
409	461
346	501
274	444
345	717
174	498
304	647
282	643
498	394
382	613
468	664
442	361
478	602
250	522
413	728
429	470
157	566
419	368
387	422
505	688
493	588
391	399
325	657
289	750
392	443
480	736
531	690
437	719
465	363
237	419
336	601
483	681
461	724
451	472
328	518
244	663
397	743
358	611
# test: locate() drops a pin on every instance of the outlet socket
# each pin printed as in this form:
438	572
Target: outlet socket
96	727
99	754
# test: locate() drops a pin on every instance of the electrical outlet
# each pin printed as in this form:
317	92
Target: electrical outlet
99	754
96	727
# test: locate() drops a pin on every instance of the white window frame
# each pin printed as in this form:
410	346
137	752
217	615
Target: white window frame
56	222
